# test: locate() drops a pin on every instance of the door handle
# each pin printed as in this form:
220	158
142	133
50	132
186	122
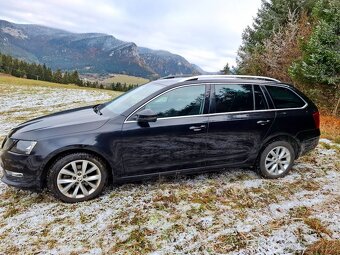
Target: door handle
263	122
197	128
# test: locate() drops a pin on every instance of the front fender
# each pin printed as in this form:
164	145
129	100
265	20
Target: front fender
99	144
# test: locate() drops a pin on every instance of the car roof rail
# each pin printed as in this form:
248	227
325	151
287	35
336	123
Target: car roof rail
201	77
176	76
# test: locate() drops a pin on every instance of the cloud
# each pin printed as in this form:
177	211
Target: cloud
206	32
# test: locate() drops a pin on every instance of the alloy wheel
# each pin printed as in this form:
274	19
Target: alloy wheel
277	160
79	179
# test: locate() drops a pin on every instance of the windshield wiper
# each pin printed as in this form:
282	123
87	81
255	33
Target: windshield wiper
96	109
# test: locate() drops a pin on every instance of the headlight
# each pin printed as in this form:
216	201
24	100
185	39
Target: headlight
23	147
7	144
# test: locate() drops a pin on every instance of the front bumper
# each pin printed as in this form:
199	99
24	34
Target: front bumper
21	171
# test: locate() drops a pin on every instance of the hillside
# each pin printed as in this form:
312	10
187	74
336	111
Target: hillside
88	52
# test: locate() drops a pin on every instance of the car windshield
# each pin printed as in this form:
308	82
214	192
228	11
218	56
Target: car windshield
125	101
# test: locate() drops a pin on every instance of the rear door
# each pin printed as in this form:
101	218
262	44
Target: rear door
177	140
239	121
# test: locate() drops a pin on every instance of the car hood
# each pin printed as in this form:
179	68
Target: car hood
60	123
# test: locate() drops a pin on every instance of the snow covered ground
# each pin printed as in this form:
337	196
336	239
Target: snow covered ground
226	212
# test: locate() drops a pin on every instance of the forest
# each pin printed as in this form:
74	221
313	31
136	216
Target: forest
23	69
298	42
34	71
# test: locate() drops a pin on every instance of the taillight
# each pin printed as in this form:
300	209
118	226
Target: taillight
316	117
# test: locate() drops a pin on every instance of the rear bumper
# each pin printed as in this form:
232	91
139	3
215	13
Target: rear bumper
308	145
308	140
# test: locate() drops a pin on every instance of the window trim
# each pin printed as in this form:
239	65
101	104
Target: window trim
264	93
264	96
210	89
207	90
253	91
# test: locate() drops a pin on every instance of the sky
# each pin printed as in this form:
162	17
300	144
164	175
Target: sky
205	32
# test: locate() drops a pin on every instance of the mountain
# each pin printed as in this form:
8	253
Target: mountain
88	52
166	63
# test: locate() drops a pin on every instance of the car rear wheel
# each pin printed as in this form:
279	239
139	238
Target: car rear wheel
277	159
77	177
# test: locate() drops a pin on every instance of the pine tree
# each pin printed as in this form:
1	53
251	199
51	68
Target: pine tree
74	77
58	76
226	69
320	62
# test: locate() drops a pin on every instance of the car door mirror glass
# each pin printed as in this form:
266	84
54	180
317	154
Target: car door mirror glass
146	115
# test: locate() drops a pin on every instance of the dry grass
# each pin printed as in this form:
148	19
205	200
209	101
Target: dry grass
330	127
11	211
300	212
136	243
230	242
317	226
324	247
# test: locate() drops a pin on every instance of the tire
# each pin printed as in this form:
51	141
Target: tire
273	166
77	177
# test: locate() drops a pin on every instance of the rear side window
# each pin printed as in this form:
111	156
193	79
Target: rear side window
233	98
284	98
260	101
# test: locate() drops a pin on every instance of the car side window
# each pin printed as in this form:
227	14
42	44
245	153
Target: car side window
182	101
260	101
233	98
284	98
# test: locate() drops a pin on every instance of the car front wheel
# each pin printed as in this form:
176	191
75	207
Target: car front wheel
77	177
277	159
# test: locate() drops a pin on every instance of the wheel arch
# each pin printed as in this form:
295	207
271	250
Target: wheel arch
69	150
279	137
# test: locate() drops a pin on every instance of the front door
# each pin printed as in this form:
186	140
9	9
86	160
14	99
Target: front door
177	140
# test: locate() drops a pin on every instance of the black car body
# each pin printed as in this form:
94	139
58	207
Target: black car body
228	123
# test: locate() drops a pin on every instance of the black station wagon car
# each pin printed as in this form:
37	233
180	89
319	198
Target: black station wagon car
172	125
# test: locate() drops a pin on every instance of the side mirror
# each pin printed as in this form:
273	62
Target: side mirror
146	115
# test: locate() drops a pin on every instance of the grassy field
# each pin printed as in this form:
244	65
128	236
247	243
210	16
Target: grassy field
23	99
122	78
226	212
10	80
